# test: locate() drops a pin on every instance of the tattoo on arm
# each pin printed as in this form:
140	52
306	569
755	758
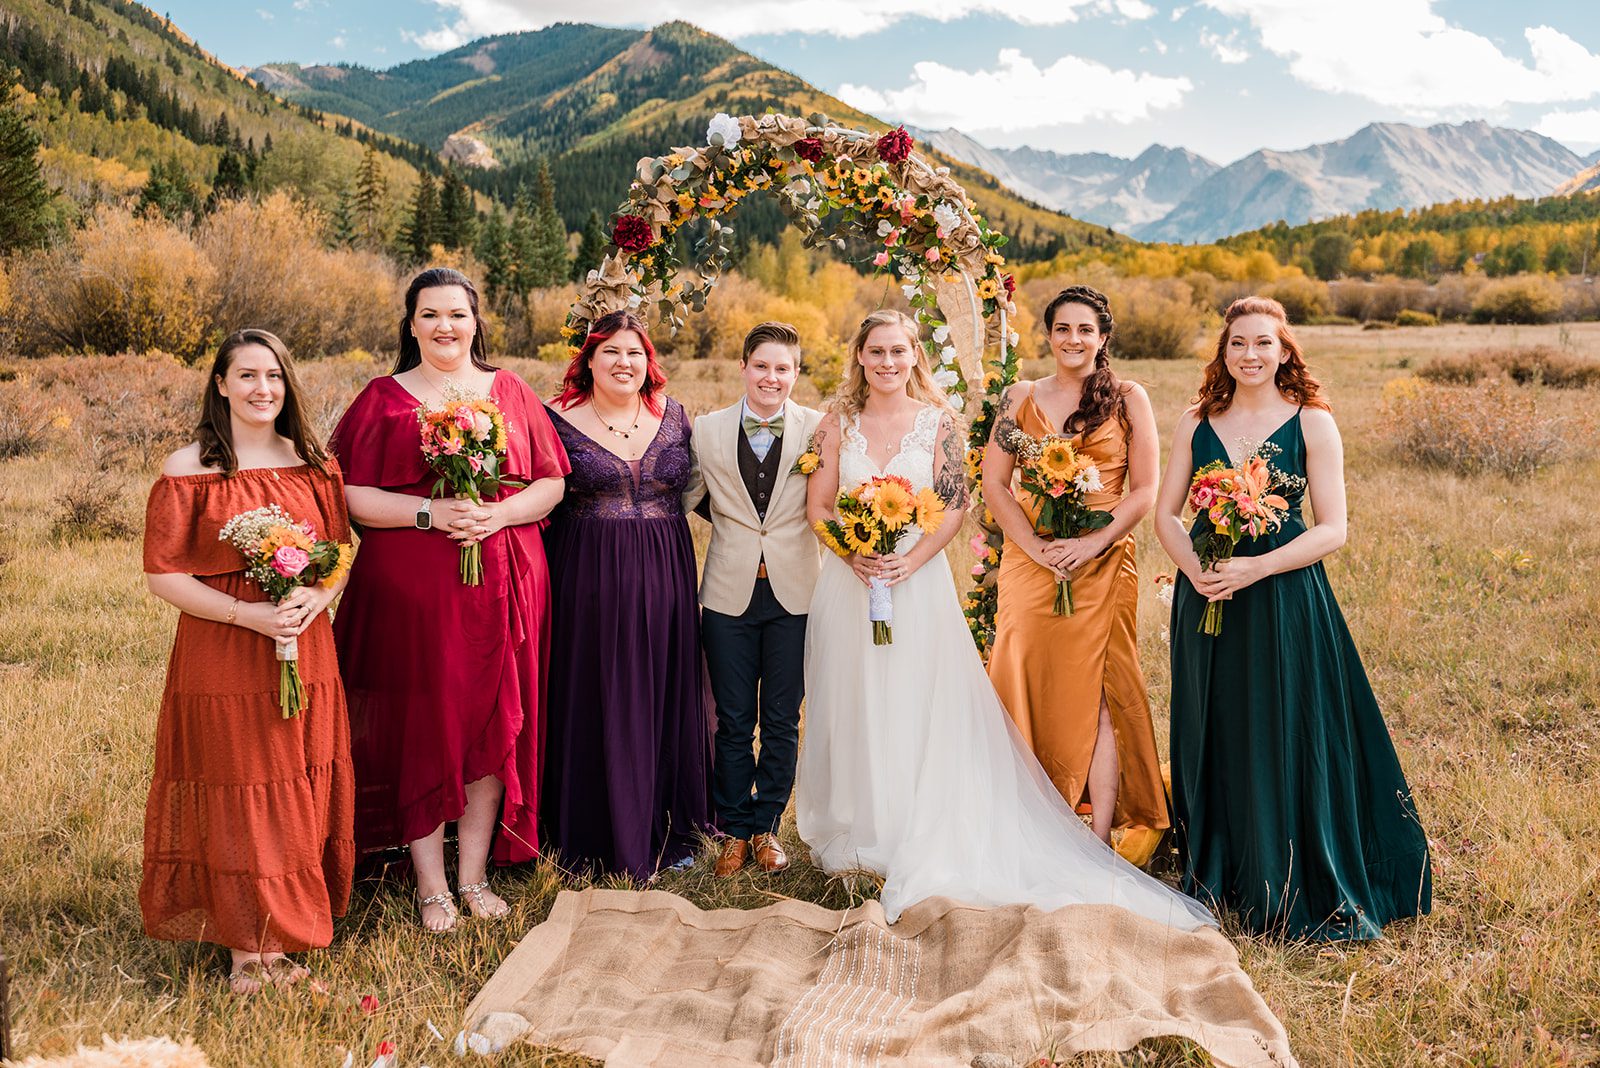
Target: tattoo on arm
1004	424
950	480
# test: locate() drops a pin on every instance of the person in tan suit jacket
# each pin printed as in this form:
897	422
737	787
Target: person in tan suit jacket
759	572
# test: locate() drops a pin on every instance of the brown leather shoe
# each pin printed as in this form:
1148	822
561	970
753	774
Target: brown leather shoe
769	854
735	851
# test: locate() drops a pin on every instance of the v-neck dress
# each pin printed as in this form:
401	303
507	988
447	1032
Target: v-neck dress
628	750
1289	801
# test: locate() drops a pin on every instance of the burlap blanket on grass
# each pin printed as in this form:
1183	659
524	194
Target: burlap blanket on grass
645	978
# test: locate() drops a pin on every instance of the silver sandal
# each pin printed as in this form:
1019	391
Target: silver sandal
446	902
475	892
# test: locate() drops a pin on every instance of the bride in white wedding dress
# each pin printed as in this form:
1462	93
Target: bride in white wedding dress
909	766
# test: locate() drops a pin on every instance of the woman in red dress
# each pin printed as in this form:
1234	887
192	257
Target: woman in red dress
247	827
446	681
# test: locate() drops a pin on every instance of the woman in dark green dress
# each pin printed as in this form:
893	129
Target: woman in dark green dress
1290	806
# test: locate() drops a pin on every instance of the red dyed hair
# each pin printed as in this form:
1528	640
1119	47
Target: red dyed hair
1293	378
578	385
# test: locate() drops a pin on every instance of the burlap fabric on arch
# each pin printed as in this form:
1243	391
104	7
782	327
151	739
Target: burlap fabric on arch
645	978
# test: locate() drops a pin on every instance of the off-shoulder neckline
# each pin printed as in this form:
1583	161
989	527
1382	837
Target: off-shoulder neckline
213	476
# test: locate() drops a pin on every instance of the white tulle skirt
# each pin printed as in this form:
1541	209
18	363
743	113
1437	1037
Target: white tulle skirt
911	768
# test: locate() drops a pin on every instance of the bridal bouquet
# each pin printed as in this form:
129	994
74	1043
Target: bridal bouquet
1238	501
1060	479
465	443
872	518
280	555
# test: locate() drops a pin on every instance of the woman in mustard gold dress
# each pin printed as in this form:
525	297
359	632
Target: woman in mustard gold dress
1072	683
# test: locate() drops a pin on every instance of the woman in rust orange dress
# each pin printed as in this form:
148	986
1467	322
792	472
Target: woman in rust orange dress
247	836
1072	683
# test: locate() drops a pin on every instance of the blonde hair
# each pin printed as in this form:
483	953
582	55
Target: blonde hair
852	392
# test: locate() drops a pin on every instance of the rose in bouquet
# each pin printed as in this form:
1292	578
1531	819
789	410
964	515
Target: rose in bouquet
1059	478
464	442
1237	501
872	518
280	556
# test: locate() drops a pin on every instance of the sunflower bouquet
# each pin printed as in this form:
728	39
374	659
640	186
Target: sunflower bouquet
1237	501
464	441
872	518
282	555
1059	478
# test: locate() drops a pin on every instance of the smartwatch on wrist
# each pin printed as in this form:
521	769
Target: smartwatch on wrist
425	514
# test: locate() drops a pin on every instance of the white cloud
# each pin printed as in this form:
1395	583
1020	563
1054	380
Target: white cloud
302	5
266	16
1572	127
338	40
1226	49
1018	95
471	19
1401	54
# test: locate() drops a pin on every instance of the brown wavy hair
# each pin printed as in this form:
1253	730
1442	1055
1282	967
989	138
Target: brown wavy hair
1293	378
434	277
1103	394
214	431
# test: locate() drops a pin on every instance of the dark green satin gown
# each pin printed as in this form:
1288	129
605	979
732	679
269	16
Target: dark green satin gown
1290	806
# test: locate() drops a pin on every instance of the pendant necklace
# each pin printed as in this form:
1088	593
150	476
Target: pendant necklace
637	410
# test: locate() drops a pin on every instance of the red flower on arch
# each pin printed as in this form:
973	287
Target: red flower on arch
631	233
895	146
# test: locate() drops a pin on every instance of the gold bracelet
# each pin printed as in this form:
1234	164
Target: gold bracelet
233	611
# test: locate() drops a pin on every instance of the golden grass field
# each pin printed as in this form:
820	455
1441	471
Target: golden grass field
1471	599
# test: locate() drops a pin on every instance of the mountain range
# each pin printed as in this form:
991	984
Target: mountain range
1173	195
589	101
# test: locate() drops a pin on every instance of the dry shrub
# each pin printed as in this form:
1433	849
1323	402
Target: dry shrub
273	273
328	386
1488	428
91	508
134	409
532	324
1412	317
1526	298
28	418
1156	319
124	284
1543	365
1454	293
736	305
1580	301
1304	299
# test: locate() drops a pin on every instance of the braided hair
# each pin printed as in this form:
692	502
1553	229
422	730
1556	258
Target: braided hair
1103	393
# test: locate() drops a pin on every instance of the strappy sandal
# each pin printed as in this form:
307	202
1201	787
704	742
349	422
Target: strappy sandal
252	970
445	902
286	972
481	909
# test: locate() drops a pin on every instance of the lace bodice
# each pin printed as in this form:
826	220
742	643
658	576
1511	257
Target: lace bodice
914	461
604	486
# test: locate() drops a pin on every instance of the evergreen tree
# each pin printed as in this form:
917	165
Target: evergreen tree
370	190
169	191
494	252
592	248
1330	255
23	194
342	229
550	266
522	245
458	219
230	182
419	234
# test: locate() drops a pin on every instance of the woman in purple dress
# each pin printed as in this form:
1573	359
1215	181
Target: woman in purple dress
628	742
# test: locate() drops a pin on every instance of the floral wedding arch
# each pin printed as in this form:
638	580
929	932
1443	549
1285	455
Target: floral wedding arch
833	183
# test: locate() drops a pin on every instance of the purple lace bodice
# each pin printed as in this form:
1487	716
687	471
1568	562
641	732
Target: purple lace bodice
603	486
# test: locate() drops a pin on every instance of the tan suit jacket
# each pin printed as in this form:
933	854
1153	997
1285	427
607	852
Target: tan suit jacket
740	540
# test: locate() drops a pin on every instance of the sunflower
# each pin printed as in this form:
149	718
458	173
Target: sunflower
860	535
930	510
988	289
893	505
1058	460
825	533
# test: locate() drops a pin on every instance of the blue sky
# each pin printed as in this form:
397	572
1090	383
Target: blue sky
1222	77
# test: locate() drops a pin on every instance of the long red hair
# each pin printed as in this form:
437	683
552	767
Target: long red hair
578	385
1293	378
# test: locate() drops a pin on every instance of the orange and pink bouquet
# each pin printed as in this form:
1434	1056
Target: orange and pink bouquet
872	518
1060	479
280	556
1236	502
465	443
